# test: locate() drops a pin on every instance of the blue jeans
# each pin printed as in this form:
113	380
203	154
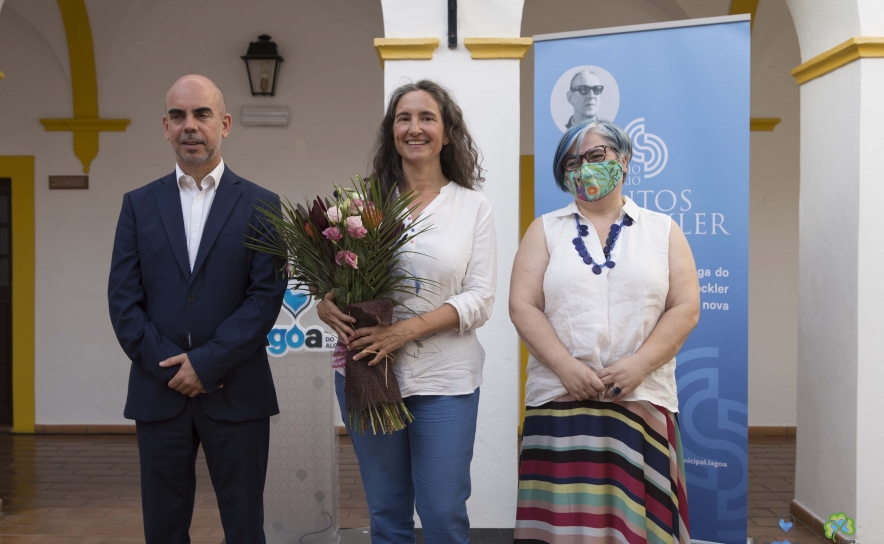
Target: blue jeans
426	465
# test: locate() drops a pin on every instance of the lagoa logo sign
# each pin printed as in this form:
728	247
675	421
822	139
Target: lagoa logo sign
294	338
648	149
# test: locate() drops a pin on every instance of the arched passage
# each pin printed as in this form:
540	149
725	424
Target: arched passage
841	335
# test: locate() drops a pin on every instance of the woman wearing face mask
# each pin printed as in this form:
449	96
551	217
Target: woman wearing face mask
603	294
423	146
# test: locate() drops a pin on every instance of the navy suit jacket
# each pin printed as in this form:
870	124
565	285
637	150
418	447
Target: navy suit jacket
225	306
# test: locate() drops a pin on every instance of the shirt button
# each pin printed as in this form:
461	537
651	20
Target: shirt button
191	298
182	338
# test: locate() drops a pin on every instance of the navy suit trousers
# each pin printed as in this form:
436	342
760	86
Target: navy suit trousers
236	453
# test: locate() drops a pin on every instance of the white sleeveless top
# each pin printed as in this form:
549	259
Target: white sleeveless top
604	318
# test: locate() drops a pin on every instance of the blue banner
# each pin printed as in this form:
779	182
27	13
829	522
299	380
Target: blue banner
682	95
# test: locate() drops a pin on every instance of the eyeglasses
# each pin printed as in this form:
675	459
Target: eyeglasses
593	154
585	89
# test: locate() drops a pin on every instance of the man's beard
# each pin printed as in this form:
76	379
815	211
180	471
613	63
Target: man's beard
195	159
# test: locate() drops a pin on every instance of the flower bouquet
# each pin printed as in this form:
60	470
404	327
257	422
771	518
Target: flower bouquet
351	245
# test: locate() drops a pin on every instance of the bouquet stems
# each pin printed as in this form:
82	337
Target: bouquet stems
372	392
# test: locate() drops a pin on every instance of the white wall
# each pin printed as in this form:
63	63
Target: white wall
773	231
330	80
773	221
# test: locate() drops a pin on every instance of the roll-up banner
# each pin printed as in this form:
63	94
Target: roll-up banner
681	92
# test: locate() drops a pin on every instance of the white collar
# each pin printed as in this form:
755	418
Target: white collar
629	207
214	174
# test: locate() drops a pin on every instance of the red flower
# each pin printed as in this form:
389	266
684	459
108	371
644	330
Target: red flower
371	216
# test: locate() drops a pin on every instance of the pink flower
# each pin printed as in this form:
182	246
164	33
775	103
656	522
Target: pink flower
346	258
333	234
355	228
334	214
356	206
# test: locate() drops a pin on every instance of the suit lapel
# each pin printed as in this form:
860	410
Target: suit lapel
223	203
169	203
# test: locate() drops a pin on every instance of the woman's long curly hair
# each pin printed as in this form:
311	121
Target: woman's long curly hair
460	157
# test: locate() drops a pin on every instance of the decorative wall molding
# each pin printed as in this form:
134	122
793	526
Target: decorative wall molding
763	124
805	516
84	429
86	123
765	430
498	48
855	48
2	75
405	48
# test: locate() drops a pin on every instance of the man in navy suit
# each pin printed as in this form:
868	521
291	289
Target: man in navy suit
191	306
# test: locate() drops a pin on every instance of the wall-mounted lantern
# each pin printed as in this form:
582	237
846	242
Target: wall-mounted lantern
262	66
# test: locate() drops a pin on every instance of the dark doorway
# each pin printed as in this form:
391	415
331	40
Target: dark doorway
5	301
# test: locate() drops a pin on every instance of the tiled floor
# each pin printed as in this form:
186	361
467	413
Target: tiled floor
771	490
84	489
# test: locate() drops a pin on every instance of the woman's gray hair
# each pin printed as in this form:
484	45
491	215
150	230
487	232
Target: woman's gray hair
573	139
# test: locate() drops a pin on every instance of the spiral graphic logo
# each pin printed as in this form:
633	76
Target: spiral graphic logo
648	149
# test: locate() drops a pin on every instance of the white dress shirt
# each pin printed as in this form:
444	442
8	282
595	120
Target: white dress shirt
195	205
604	318
460	253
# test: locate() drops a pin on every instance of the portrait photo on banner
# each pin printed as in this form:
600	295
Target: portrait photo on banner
584	93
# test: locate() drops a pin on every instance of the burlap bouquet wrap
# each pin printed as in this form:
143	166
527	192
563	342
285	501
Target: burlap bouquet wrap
372	392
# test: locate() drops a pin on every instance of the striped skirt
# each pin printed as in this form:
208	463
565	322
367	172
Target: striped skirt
601	472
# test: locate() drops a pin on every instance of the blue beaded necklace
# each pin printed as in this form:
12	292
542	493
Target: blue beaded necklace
613	234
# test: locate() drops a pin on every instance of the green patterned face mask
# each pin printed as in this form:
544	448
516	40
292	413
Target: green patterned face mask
594	180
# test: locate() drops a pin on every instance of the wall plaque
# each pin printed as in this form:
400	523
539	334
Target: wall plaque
68	182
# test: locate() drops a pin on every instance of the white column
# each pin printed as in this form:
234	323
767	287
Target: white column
841	256
488	93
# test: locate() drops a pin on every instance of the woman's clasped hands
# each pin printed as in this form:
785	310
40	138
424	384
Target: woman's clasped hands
380	341
626	374
583	383
578	379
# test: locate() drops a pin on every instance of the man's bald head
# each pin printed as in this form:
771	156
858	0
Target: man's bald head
195	122
195	82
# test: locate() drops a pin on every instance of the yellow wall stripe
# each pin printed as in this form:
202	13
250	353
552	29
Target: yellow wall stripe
84	83
21	171
2	75
86	123
526	216
498	48
855	48
405	48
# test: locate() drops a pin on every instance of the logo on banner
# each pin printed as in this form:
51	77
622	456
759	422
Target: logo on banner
648	149
282	340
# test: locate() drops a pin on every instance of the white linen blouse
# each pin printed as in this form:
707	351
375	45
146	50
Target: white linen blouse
603	318
459	252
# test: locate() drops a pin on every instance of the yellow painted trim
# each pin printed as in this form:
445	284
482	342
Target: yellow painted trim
498	48
2	75
849	51
526	216
84	84
745	6
405	48
86	123
21	170
763	124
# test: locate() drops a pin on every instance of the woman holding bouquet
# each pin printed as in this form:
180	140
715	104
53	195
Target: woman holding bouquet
424	147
